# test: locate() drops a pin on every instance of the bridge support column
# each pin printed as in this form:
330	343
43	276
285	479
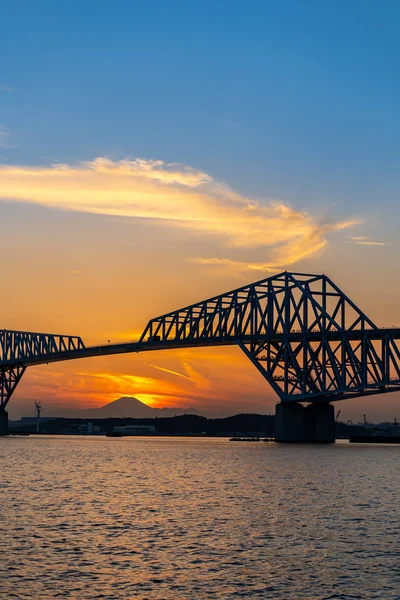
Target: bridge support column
320	417
3	421
295	423
289	422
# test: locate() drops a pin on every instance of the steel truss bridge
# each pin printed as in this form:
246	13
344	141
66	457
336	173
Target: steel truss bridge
302	333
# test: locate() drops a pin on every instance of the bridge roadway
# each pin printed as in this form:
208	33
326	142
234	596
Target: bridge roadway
197	342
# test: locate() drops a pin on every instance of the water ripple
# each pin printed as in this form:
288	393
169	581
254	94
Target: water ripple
164	519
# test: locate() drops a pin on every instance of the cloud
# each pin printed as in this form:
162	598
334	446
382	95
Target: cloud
201	381
364	240
371	243
170	371
175	195
285	254
151	390
6	88
122	379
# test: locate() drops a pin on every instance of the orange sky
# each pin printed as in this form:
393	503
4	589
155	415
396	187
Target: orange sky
99	248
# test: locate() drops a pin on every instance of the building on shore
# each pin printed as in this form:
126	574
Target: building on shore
135	429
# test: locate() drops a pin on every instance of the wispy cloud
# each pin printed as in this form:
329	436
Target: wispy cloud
364	240
179	196
122	379
158	391
6	88
229	264
199	379
170	371
312	239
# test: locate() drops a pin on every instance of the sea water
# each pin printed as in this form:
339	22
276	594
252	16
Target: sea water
192	518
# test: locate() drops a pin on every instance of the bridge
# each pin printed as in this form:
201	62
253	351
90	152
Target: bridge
310	342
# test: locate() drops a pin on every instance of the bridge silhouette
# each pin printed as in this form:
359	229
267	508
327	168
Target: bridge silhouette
309	341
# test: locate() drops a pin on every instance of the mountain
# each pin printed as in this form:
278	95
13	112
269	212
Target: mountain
128	406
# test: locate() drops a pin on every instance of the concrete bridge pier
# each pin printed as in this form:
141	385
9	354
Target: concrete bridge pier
295	423
3	421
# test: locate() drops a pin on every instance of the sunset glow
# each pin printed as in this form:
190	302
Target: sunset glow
138	182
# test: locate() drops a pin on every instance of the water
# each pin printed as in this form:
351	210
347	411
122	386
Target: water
181	518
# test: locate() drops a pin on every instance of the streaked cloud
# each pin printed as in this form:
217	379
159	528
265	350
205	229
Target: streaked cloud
233	265
122	379
300	247
170	371
212	380
199	379
156	391
6	88
193	375
364	240
175	195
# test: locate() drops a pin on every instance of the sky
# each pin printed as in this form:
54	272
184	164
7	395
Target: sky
153	154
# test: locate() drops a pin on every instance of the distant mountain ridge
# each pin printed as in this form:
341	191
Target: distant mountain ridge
129	406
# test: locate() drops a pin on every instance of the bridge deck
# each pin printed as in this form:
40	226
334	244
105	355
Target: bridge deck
136	347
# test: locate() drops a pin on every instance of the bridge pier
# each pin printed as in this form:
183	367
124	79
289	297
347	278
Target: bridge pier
3	421
295	423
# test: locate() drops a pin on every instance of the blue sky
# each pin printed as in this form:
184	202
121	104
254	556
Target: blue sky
299	99
295	102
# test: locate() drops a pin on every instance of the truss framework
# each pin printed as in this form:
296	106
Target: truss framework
9	379
304	335
18	347
23	345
